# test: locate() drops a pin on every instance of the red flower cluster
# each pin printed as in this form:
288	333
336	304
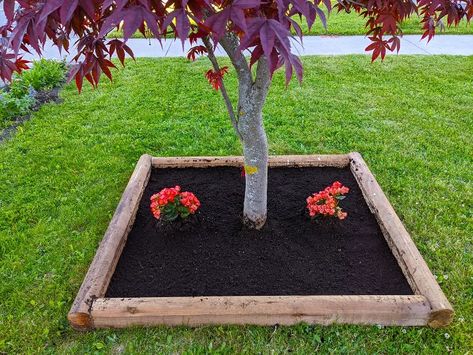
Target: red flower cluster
325	202
171	203
189	200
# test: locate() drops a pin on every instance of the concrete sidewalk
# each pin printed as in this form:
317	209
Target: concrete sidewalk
312	45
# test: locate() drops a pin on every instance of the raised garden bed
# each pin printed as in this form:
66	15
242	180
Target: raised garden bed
362	270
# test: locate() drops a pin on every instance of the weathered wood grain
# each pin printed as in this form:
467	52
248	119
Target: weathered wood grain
103	265
335	160
428	306
410	260
261	310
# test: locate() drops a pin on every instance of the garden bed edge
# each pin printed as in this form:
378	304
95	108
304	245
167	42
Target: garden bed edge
428	306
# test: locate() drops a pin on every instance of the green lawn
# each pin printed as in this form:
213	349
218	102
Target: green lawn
348	24
64	171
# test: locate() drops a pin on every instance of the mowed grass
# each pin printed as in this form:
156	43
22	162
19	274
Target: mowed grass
65	170
349	24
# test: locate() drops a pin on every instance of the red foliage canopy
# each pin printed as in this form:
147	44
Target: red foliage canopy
262	26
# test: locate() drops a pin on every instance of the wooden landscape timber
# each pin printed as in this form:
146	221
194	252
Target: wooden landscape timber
428	306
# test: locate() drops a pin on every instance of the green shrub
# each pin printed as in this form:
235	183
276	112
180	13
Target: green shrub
19	97
18	87
12	106
45	74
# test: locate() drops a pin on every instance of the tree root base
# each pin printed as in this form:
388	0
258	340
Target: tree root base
254	224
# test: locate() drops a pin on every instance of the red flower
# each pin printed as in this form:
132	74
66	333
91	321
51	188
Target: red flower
170	203
189	200
325	202
166	195
155	209
342	215
337	189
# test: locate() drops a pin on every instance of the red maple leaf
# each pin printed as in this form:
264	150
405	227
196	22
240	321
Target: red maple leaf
215	77
195	51
21	64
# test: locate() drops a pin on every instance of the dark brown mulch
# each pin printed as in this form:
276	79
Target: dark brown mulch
213	255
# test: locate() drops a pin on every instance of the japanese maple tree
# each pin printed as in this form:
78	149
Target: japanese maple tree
252	32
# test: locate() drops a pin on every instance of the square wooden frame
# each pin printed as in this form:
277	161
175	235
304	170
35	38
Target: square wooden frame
428	306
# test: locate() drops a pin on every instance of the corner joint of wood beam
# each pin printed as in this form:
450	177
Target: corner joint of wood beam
145	161
146	158
353	156
441	318
80	321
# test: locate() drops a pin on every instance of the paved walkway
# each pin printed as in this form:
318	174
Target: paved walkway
312	45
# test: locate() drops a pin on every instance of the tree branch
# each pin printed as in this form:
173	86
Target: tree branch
230	44
262	79
223	90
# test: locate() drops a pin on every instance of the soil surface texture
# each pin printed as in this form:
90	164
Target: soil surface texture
212	254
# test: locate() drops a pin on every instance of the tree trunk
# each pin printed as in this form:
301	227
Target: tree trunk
248	123
255	150
255	145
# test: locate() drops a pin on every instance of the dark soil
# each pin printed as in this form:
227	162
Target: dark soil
45	96
213	255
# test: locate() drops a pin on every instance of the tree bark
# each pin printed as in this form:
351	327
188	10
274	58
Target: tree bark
255	145
255	151
251	98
